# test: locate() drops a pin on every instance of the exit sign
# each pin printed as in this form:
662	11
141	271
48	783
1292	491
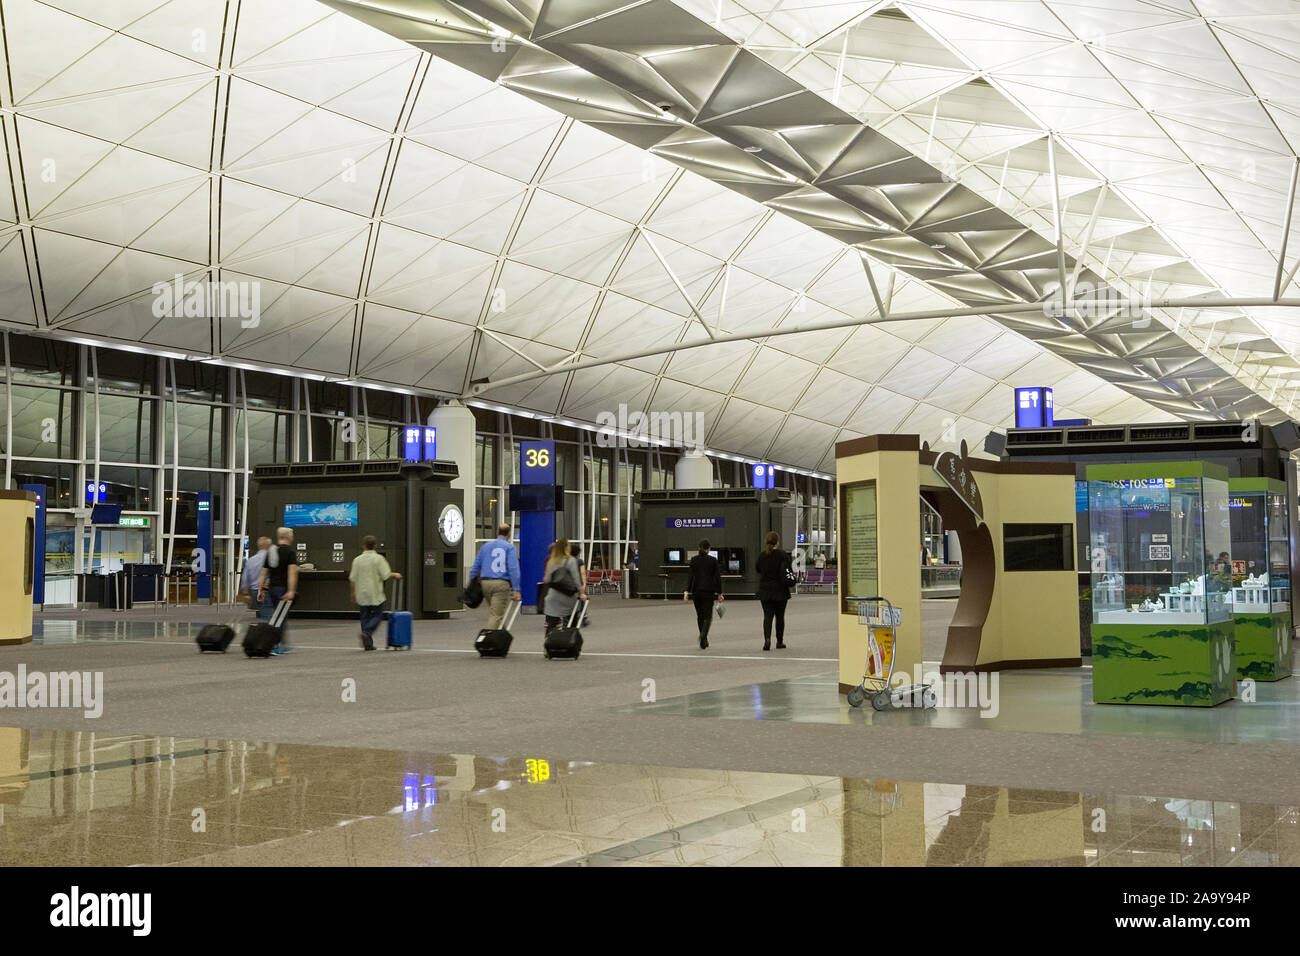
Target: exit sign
133	521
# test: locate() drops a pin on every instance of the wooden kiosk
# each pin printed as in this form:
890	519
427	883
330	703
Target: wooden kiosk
17	567
1019	603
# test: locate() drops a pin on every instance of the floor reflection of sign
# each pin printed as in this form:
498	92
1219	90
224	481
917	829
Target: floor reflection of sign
1159	552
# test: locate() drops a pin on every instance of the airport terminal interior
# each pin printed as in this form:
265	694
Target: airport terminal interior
955	341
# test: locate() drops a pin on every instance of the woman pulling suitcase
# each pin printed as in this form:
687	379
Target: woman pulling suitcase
564	585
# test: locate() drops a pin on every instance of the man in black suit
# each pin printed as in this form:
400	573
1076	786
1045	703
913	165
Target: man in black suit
704	586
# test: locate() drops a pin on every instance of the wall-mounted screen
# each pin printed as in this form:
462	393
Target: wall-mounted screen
326	514
537	497
672	556
106	514
1038	547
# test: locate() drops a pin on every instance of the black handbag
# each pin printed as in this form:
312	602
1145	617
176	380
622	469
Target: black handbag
472	596
564	587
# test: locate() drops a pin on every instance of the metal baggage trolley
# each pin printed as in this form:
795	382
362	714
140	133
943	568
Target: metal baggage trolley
881	619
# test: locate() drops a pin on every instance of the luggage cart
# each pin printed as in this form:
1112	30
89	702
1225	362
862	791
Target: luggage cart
881	619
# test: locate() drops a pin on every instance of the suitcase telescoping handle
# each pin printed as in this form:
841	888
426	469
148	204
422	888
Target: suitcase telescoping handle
578	606
399	593
511	615
280	613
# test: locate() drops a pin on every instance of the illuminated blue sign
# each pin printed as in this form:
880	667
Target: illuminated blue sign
419	443
93	495
764	476
1034	408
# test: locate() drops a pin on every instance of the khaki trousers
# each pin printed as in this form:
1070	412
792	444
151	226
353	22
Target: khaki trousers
496	593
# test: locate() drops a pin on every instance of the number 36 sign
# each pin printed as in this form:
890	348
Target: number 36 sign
536	462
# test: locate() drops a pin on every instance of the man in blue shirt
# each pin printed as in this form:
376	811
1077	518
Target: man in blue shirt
497	568
253	571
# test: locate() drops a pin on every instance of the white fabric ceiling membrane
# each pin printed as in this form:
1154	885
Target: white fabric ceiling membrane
467	206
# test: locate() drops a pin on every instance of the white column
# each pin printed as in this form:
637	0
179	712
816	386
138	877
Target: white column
693	470
456	430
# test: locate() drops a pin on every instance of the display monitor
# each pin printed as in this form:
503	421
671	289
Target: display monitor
1038	547
106	514
672	556
321	514
733	564
540	497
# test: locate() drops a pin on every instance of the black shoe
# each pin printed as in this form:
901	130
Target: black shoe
704	642
780	646
767	646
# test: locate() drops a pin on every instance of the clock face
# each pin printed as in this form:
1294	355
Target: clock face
451	524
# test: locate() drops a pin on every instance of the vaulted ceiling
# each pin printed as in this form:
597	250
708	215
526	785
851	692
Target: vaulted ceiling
431	195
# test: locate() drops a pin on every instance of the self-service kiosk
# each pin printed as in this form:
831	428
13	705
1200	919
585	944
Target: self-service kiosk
671	524
417	519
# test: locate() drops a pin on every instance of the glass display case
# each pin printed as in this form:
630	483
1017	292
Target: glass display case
1160	559
1261	577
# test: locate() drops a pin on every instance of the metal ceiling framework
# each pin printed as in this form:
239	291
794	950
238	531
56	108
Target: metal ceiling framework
657	75
485	210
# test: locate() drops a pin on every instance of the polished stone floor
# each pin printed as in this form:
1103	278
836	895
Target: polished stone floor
1046	701
81	798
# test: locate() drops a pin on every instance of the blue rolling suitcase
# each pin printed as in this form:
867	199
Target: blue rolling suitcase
399	622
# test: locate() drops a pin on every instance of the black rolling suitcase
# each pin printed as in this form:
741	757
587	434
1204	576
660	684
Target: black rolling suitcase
496	641
264	636
215	638
565	643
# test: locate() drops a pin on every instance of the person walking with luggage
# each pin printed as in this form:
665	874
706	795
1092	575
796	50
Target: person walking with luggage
366	584
497	567
564	586
774	575
279	582
248	581
582	576
704	586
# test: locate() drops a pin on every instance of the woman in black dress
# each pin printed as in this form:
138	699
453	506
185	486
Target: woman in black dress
704	586
774	572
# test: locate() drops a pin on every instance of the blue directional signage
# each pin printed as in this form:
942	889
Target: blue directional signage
419	443
1034	408
536	528
95	492
203	544
764	476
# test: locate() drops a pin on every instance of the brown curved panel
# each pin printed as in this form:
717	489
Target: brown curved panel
979	569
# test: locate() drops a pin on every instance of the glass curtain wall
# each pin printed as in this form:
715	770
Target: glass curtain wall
150	433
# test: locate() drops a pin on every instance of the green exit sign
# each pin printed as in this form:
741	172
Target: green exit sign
133	521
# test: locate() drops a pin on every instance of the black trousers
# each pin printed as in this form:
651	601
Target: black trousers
703	601
774	610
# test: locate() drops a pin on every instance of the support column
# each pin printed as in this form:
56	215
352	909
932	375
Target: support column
455	437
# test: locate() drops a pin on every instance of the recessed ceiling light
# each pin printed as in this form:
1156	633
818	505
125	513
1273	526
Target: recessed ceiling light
751	149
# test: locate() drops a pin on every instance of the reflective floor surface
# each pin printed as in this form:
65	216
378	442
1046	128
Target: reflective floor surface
97	799
1037	701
